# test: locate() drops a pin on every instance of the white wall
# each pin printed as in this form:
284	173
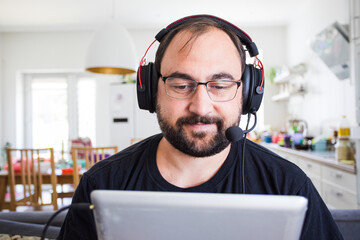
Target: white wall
328	98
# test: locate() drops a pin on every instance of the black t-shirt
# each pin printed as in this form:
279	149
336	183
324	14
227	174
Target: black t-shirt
135	168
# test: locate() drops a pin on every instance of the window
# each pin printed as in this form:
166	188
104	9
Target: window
86	108
58	108
49	115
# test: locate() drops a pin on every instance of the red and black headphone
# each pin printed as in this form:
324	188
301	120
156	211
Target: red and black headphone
252	78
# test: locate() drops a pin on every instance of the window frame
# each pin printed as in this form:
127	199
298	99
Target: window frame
72	78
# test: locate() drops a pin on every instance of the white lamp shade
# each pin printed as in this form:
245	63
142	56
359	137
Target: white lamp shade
111	51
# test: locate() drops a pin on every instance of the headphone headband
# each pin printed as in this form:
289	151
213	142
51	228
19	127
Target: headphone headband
244	38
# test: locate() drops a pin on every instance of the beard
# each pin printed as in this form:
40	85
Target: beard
177	137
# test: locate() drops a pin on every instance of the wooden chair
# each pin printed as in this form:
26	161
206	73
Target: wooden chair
135	140
90	155
25	175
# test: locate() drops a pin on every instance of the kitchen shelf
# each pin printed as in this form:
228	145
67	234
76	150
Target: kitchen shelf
281	97
286	82
286	95
284	78
294	72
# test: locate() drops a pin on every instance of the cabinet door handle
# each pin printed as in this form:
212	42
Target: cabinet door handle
336	175
339	194
336	193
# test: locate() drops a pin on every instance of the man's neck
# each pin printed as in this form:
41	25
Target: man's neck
186	171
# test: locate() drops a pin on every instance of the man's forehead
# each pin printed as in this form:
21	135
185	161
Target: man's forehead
205	56
186	37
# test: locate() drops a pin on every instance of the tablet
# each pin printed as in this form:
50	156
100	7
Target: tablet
178	215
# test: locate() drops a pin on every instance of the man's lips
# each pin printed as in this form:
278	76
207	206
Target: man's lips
201	126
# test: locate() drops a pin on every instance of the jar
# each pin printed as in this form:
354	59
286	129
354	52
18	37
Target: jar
343	149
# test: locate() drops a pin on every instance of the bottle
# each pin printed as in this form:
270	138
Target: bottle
344	128
343	147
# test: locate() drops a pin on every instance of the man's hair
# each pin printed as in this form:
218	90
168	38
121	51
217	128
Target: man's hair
197	27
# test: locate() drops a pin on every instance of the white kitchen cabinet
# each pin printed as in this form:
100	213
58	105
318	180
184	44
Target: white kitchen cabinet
313	171
338	197
339	178
336	183
338	188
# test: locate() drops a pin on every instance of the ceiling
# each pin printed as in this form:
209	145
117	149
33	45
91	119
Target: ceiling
35	15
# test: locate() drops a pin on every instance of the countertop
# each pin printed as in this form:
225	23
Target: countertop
323	157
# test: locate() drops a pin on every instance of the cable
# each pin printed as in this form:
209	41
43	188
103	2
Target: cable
253	126
79	206
142	62
258	63
242	163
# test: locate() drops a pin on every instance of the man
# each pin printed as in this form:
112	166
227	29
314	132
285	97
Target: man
192	154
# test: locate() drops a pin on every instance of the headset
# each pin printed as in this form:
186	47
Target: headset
252	78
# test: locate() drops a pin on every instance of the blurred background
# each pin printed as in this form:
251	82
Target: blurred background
67	79
47	97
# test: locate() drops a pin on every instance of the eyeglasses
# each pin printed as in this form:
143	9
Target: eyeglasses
218	90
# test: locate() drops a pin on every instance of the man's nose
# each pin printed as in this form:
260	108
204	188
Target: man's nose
200	102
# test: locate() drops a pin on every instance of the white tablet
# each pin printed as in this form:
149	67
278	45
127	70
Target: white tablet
174	215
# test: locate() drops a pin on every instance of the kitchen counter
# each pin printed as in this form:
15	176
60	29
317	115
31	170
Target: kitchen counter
323	157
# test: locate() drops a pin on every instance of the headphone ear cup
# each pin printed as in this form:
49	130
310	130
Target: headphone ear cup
246	80
252	94
146	91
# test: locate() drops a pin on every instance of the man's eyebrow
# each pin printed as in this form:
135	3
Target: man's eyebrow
213	77
180	75
222	76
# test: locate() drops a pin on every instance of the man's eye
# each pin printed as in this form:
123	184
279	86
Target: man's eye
182	86
220	86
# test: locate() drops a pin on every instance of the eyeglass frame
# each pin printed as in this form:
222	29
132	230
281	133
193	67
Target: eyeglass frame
238	83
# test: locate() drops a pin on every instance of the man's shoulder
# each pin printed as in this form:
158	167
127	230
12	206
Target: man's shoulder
261	156
257	149
275	174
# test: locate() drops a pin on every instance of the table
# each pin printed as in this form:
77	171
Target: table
46	178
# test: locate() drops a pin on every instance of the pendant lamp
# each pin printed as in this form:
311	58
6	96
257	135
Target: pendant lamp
111	51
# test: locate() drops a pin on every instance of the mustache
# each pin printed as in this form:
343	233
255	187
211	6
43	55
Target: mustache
200	119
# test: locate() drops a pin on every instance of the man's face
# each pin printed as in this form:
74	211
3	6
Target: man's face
196	126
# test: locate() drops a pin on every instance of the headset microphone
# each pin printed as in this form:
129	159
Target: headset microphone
234	134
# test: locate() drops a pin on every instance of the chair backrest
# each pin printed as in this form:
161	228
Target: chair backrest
135	140
25	169
87	157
